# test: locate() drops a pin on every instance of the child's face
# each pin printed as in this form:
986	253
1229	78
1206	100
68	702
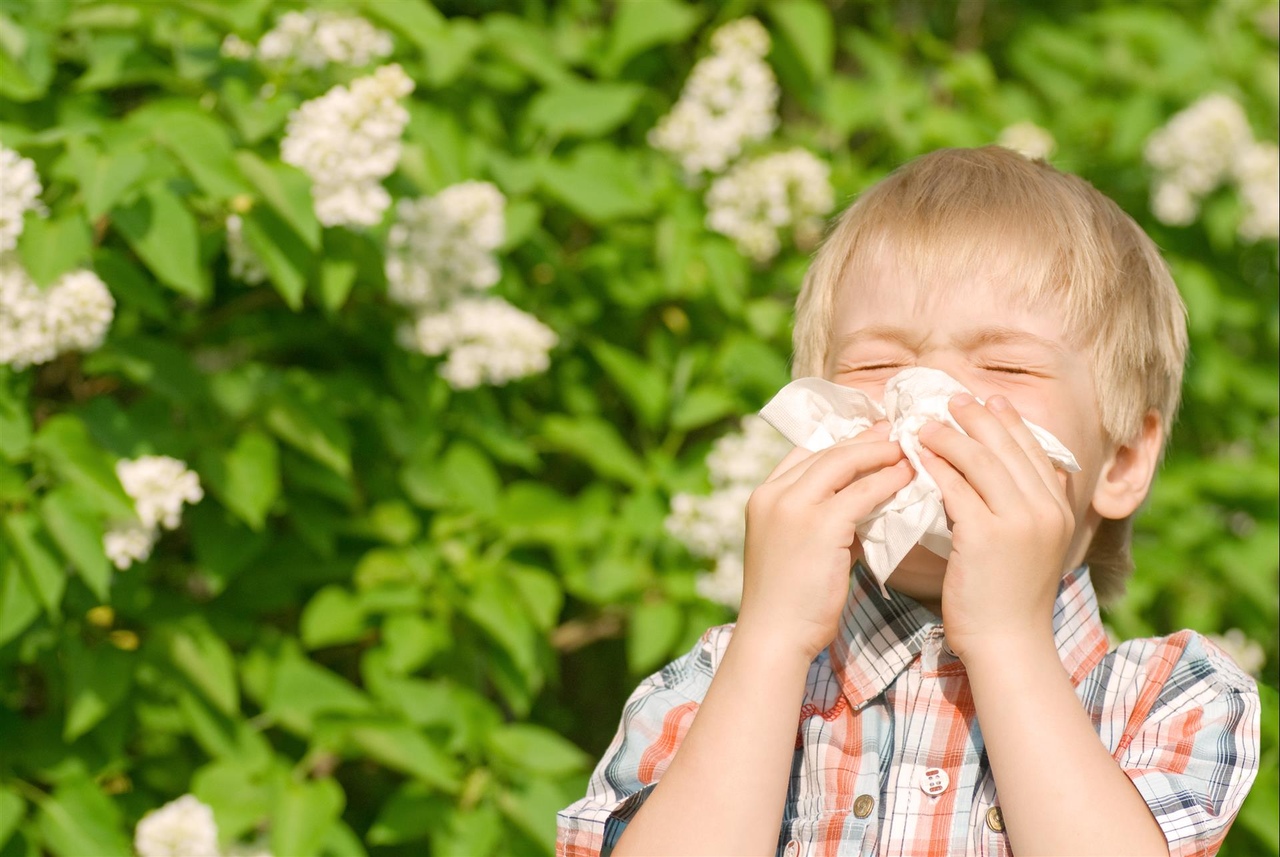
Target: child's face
973	330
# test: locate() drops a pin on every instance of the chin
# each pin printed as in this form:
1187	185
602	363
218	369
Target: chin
919	575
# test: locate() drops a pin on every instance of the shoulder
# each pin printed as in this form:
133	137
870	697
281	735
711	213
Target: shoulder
1183	662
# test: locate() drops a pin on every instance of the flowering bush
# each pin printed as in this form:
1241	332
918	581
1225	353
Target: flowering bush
373	377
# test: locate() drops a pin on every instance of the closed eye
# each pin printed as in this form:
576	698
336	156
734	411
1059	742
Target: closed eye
1011	370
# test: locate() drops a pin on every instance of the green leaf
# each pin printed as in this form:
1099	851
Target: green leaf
702	405
204	148
303	690
154	363
255	117
806	25
238	792
642	24
111	176
98	679
12	809
283	254
303	814
584	109
163	233
76	528
26	64
18	604
332	616
65	444
412	812
541	594
15	421
527	747
596	442
44	573
402	748
311	428
78	819
247	477
53	247
654	630
337	276
639	380
526	46
204	659
287	190
599	183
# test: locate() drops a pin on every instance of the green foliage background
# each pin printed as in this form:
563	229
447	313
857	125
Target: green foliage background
404	616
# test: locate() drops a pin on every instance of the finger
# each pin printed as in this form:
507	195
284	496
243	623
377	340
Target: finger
982	469
959	499
789	461
985	426
839	466
857	500
1009	417
797	466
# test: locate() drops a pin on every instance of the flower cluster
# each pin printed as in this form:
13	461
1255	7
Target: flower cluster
759	197
730	98
181	828
19	193
487	340
714	525
1028	139
1205	146
313	39
442	245
36	325
158	485
244	263
440	254
185	827
347	141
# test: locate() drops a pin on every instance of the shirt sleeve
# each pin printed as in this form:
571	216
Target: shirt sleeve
654	722
1191	742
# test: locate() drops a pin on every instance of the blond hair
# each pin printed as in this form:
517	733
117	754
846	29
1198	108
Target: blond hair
1070	247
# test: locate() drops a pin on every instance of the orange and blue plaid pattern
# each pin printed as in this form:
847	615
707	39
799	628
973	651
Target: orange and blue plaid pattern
887	702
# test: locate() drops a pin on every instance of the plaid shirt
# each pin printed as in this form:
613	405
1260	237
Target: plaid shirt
886	707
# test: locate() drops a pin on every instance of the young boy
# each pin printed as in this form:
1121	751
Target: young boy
977	709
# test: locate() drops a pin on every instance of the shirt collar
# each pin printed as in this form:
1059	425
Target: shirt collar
879	637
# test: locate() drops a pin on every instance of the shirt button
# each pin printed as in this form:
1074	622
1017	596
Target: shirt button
934	781
995	819
792	850
863	805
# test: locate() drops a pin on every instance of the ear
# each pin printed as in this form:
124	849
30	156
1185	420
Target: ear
1126	476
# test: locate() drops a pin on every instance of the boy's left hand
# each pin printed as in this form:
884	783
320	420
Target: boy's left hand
1012	526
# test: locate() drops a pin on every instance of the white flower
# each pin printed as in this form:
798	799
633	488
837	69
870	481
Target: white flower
244	264
486	340
757	198
1173	204
19	193
442	245
236	48
159	485
1028	139
130	542
1193	154
713	526
347	141
1257	175
1248	654
36	325
313	39
181	828
730	99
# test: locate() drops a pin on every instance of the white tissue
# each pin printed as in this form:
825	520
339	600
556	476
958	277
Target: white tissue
815	413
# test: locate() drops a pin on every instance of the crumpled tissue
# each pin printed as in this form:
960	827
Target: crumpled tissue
815	413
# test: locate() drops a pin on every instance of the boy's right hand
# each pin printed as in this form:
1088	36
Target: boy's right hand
801	536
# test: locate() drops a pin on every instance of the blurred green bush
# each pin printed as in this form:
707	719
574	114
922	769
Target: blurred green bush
408	608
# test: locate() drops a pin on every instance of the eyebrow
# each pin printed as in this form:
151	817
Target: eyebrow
970	340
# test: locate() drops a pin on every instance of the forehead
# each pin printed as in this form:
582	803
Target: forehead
1000	285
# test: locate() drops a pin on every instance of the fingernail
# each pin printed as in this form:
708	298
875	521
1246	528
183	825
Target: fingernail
998	403
961	399
928	429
